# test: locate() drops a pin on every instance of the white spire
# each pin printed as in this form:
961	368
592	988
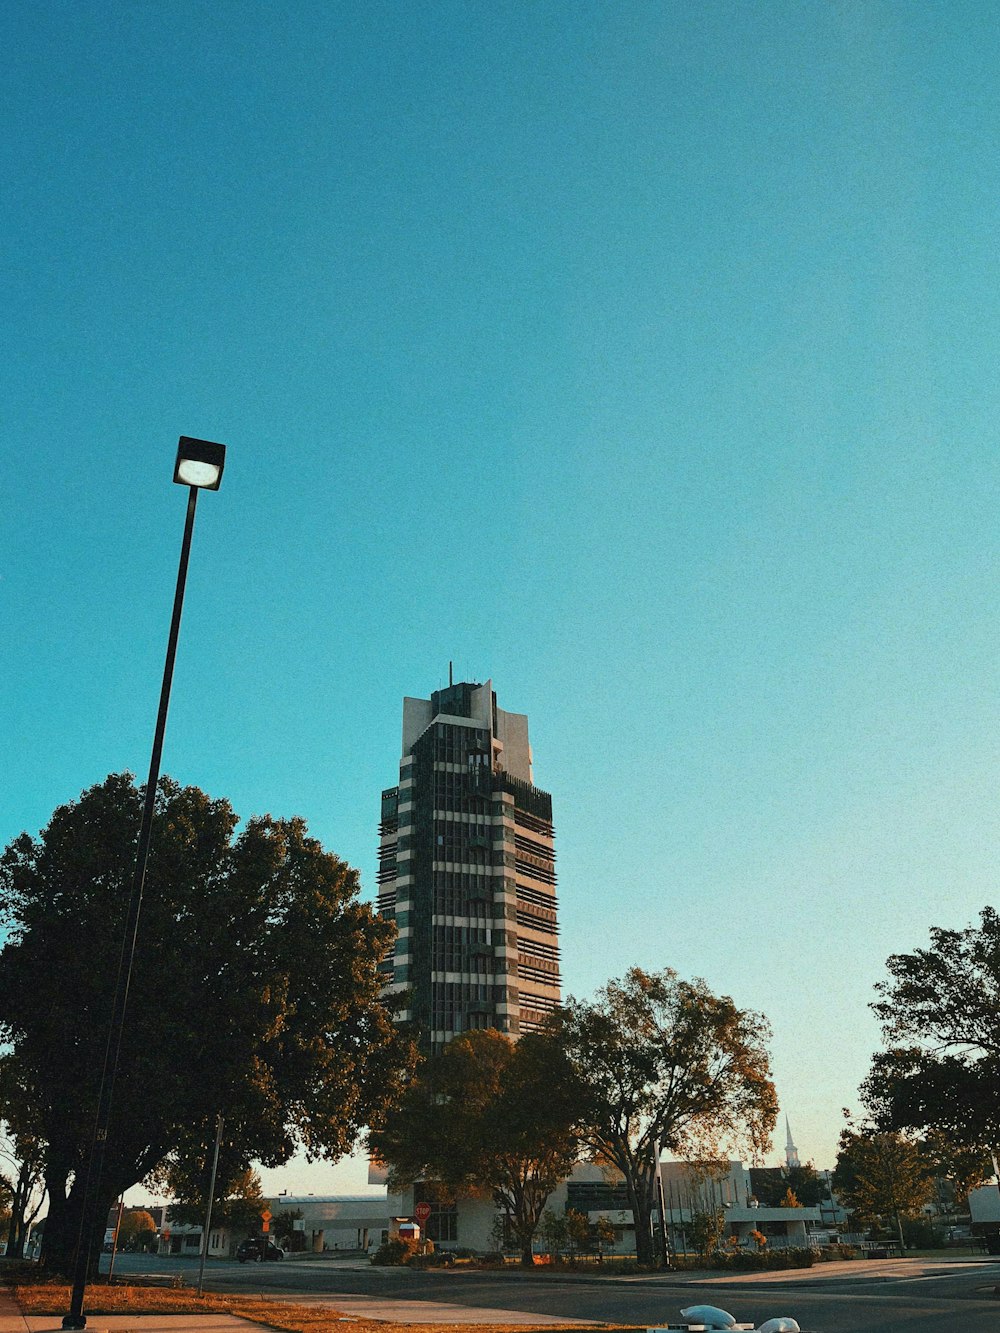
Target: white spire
791	1152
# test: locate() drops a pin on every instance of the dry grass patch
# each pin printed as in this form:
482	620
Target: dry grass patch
283	1316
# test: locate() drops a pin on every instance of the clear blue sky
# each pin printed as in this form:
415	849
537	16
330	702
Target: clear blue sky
642	356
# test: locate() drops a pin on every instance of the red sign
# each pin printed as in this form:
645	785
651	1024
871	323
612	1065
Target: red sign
422	1212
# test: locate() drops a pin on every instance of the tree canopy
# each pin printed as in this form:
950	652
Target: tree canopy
940	1015
661	1061
136	1230
254	993
771	1184
881	1176
487	1114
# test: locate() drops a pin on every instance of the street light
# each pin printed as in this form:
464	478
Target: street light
199	467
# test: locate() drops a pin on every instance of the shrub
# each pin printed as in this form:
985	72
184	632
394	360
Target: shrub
831	1253
922	1235
395	1252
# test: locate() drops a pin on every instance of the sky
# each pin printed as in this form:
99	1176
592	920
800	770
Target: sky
640	357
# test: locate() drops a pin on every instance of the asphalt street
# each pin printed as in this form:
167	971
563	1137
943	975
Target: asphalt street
954	1298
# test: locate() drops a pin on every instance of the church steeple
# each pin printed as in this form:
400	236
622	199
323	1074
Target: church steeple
791	1152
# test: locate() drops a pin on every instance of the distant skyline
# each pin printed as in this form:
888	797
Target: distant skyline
640	356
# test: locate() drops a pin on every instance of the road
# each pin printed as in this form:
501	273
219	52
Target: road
954	1298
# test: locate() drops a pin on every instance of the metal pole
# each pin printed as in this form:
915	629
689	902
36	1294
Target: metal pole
76	1319
208	1206
114	1239
658	1180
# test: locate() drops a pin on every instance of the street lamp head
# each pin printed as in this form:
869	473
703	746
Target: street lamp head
199	463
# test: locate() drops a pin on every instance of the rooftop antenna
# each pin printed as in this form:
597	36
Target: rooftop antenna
450	681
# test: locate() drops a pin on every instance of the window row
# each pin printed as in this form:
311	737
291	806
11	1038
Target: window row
536	949
455	1002
532	823
538	897
544	1004
532	848
543	874
534	922
535	972
463	949
453	745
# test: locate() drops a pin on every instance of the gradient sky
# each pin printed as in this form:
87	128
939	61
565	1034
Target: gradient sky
640	356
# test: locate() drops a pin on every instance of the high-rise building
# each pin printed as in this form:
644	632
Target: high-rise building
467	870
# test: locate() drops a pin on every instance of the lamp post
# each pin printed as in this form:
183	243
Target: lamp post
199	467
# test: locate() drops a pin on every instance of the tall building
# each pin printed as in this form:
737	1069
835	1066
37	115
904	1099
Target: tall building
467	870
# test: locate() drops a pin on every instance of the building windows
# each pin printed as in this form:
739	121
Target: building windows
463	949
454	1002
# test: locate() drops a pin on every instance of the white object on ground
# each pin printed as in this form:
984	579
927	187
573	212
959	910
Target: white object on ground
709	1315
783	1324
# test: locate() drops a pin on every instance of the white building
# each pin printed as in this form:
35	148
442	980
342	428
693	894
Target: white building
472	1222
305	1224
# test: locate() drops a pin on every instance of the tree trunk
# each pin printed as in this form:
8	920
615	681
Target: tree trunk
640	1202
899	1230
527	1256
62	1228
19	1203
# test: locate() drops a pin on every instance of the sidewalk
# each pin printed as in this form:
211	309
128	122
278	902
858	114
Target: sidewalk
13	1321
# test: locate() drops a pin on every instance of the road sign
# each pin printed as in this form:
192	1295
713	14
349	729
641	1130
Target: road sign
422	1212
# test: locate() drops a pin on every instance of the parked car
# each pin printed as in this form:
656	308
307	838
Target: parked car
256	1251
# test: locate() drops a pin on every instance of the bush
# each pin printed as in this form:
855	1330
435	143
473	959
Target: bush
831	1253
395	1252
433	1259
921	1235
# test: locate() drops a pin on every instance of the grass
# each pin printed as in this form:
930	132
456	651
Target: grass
52	1298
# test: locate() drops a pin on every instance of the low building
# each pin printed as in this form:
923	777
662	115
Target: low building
333	1222
313	1224
475	1223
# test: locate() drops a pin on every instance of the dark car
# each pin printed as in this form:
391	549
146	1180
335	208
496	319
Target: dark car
257	1251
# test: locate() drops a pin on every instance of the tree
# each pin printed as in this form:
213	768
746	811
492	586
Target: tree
706	1229
487	1114
137	1230
940	1015
553	1232
238	1204
20	1173
881	1176
255	992
772	1183
661	1061
605	1235
577	1232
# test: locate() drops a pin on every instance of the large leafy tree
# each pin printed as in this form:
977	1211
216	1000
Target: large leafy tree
804	1181
662	1061
940	1015
254	991
137	1230
881	1177
487	1114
